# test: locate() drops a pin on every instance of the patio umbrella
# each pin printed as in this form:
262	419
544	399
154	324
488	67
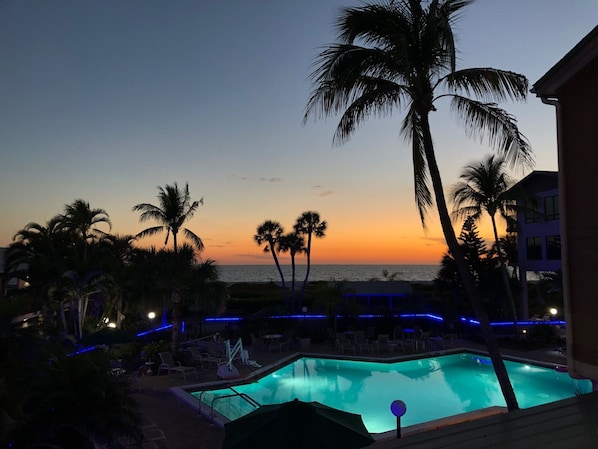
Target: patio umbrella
297	425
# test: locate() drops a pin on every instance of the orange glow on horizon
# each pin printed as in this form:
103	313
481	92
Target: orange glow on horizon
394	241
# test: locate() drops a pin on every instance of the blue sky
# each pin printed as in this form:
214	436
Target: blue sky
106	100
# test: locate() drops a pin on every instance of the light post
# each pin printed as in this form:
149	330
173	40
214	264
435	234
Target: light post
151	317
398	408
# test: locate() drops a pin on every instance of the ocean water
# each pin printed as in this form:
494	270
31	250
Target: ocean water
269	273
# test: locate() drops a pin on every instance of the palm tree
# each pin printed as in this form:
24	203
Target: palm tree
81	220
292	243
78	290
269	232
485	187
402	55
174	210
309	224
208	294
116	260
37	254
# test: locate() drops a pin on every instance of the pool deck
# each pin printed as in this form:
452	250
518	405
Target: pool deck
572	423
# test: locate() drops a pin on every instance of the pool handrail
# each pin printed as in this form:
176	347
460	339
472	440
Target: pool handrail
243	396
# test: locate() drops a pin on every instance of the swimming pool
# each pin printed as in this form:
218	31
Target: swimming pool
432	388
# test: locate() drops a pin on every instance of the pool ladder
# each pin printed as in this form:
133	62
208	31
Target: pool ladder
243	396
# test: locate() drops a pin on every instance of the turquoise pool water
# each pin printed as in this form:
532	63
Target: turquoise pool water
432	388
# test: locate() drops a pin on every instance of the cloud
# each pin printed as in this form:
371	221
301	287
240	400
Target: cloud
327	193
271	179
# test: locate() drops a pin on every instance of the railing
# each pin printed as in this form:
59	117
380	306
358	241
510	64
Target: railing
235	393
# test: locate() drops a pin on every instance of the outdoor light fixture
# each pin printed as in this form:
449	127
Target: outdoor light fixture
553	311
151	315
398	408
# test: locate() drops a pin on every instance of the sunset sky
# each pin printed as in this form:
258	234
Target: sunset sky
105	100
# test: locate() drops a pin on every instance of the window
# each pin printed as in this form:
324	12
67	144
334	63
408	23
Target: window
553	247
534	248
531	214
551	207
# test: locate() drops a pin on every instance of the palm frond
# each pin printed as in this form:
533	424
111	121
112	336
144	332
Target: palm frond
150	231
378	100
344	73
194	238
412	131
488	84
488	120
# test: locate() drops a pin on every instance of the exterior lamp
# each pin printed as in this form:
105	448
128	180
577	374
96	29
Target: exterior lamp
553	311
151	315
398	408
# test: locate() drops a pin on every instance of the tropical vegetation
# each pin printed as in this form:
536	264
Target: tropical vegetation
403	55
175	208
52	400
78	281
486	187
272	235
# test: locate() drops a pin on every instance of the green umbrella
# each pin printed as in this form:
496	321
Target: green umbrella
297	425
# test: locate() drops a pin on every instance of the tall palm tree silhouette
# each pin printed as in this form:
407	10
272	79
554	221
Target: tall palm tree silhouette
270	233
402	55
174	209
309	224
485	187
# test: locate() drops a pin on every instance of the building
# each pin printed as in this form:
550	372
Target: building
571	85
538	228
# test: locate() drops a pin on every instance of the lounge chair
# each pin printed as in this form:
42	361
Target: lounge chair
168	364
203	359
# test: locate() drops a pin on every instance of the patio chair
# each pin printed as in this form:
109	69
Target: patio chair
362	343
116	367
383	343
400	340
421	340
217	349
169	365
256	342
281	343
343	343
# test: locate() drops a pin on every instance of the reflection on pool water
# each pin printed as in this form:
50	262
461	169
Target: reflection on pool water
432	388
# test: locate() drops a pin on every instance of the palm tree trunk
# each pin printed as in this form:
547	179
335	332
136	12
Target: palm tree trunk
293	283
284	287
80	313
308	267
468	282
505	280
176	322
